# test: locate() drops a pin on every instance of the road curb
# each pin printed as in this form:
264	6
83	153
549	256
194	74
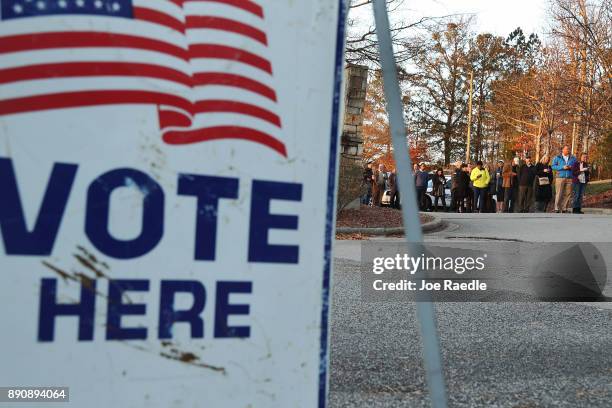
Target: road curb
433	225
602	211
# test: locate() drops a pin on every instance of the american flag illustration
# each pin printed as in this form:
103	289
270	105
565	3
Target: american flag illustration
202	63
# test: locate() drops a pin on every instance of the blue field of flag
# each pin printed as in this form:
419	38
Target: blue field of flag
12	9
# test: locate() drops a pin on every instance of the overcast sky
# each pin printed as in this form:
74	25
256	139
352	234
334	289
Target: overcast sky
496	16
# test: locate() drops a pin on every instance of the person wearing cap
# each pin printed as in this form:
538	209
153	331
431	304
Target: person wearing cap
499	185
480	178
526	178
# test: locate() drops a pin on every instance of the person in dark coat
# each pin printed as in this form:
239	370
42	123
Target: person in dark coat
526	178
393	190
367	184
463	187
438	188
491	189
469	194
543	189
580	179
516	165
421	179
499	185
454	176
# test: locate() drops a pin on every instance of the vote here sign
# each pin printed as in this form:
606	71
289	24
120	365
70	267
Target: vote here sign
167	178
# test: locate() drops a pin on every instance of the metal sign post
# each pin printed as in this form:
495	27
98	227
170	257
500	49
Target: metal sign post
414	236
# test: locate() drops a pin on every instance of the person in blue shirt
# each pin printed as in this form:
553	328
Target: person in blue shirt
562	164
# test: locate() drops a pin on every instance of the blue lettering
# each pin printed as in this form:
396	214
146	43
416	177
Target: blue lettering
168	316
223	309
50	309
262	221
119	304
17	239
116	309
208	190
98	210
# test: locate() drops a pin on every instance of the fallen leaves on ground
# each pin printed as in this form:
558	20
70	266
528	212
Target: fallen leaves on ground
371	217
352	237
601	200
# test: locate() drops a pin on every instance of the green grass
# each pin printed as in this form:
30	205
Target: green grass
592	189
598	188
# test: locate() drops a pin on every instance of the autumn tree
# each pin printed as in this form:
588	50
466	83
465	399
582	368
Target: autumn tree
515	104
530	95
438	87
586	25
485	58
377	143
585	29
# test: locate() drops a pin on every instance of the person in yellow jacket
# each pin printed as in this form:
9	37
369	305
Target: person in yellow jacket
480	177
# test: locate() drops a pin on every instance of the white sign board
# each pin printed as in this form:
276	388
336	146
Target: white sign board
167	179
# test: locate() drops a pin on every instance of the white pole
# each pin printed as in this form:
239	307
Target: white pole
412	224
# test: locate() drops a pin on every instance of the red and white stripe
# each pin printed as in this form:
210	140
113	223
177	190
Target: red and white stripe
202	62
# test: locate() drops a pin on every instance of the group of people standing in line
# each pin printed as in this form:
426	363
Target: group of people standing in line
517	185
377	181
522	186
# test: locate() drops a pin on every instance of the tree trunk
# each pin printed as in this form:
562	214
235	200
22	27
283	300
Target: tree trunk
447	147
479	124
538	142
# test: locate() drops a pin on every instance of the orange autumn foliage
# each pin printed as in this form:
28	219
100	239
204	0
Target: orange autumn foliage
377	143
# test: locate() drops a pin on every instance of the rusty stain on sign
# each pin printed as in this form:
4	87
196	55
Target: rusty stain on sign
190	358
88	260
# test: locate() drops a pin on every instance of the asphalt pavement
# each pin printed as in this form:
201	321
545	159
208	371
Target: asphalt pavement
501	354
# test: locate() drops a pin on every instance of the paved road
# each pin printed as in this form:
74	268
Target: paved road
519	355
528	227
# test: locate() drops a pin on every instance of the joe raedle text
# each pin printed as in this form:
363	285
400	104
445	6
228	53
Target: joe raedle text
432	285
437	268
